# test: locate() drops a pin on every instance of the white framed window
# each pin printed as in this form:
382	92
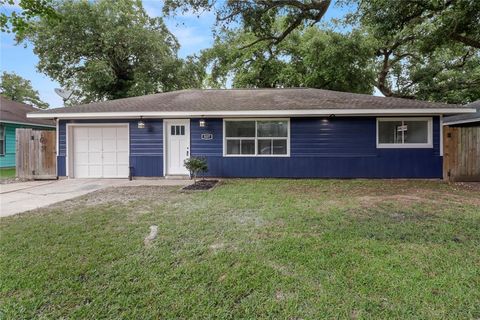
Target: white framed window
404	132
2	140
256	137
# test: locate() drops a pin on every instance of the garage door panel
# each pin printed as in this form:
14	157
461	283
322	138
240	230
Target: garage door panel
81	158
109	133
95	133
109	145
109	158
81	145
95	158
110	171
81	171
95	171
101	152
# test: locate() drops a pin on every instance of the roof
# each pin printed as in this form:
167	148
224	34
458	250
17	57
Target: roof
248	102
465	118
16	112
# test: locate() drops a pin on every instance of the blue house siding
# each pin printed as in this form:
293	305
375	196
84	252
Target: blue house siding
146	146
342	147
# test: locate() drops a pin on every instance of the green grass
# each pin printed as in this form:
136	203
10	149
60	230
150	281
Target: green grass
279	249
7	173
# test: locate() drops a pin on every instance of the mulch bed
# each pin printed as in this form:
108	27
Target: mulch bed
202	185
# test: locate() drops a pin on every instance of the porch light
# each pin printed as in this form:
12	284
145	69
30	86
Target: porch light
202	123
141	124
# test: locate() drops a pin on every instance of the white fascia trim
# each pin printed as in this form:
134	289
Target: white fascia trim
447	123
251	113
28	124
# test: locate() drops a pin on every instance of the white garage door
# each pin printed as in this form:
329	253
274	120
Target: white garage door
100	152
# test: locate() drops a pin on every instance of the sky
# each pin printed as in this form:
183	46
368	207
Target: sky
193	32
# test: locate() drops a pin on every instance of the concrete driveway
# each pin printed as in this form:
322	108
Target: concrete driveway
24	196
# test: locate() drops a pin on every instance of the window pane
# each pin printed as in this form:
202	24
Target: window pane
248	146
264	146
272	128
172	130
390	131
416	131
233	146
2	150
240	129
279	146
182	130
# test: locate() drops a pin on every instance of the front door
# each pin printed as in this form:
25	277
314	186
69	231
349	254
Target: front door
178	146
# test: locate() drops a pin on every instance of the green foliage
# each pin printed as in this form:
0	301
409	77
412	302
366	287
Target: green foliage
30	9
19	89
425	49
195	165
110	49
306	58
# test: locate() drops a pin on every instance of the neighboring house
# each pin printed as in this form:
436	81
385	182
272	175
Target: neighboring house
13	115
297	133
462	146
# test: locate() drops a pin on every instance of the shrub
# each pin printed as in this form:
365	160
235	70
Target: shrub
195	165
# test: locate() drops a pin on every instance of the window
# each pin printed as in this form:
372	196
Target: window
404	133
177	130
256	137
2	140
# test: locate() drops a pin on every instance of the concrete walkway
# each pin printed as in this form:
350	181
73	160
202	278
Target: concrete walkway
25	196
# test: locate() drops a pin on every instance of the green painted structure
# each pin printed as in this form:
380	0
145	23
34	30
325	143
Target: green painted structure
13	115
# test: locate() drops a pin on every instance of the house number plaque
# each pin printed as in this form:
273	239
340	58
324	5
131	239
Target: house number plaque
207	136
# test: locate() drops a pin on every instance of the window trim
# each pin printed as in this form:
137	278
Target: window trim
3	150
427	145
256	138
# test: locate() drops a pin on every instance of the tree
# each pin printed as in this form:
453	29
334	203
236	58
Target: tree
425	49
110	49
309	57
16	88
30	9
195	165
258	17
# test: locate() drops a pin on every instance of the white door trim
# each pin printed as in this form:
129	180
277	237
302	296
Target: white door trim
69	142
166	135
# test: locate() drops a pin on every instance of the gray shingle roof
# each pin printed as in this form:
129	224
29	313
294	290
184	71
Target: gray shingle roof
465	118
249	100
13	111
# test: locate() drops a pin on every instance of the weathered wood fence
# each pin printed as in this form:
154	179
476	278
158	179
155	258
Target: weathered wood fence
36	154
461	154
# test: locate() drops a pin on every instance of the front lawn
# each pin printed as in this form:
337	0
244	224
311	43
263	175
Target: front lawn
280	249
7	173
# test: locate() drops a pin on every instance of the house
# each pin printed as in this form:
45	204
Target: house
13	115
462	146
295	133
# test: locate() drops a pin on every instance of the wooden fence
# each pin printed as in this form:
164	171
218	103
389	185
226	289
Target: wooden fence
461	154
36	154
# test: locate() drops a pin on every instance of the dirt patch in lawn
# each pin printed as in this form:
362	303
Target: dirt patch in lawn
147	195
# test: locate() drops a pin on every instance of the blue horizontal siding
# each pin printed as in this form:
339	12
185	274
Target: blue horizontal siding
341	147
146	146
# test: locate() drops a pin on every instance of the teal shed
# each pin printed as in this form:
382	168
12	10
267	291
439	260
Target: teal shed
13	115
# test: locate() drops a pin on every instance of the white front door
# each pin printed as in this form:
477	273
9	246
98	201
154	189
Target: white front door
178	145
100	152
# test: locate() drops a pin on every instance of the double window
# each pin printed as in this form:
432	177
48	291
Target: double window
2	140
404	133
257	137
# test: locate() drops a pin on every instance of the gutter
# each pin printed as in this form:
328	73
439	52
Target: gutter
250	113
